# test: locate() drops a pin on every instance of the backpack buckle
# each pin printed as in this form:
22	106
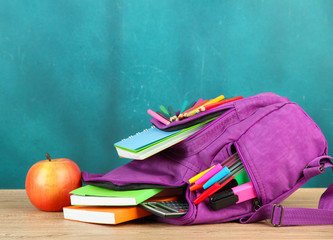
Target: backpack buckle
281	215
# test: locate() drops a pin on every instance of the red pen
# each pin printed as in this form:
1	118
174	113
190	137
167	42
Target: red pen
218	185
213	189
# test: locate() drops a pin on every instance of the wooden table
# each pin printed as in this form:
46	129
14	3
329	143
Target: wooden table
20	219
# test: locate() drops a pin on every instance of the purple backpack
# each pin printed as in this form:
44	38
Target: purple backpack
279	145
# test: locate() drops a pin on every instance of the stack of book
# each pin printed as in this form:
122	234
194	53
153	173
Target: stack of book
94	204
105	206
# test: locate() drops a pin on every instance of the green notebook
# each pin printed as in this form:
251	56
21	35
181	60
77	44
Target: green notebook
97	196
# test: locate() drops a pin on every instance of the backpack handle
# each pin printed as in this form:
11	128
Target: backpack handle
249	105
288	216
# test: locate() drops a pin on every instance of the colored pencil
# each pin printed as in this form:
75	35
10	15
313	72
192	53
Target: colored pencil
164	110
213	105
216	104
158	117
185	104
192	109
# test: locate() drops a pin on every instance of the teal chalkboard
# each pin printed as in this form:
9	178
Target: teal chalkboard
77	76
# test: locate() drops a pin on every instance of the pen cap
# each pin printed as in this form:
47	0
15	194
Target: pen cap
221	195
218	176
242	178
244	192
231	184
225	202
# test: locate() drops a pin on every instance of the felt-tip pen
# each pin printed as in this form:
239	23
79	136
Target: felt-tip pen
217	186
216	169
232	196
218	176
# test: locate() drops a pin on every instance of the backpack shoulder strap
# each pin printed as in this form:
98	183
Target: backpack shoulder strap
287	216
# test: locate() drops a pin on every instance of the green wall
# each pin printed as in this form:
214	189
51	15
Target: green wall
77	76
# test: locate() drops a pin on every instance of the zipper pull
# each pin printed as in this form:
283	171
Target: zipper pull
256	204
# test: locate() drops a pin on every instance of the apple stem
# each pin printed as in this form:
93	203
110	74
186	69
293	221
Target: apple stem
48	157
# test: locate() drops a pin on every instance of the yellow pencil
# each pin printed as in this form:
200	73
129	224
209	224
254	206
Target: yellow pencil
192	112
197	110
217	99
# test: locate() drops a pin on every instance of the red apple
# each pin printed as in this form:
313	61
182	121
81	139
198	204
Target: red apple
49	182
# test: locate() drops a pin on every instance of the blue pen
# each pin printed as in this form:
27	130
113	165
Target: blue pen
221	174
218	176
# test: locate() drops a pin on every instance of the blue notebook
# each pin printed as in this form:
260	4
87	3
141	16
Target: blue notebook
152	141
144	138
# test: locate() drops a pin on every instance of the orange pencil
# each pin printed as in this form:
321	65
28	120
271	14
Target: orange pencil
181	116
198	104
192	112
197	110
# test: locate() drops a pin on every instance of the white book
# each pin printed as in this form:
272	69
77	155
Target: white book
102	201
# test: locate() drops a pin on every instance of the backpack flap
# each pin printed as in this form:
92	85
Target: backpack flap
278	147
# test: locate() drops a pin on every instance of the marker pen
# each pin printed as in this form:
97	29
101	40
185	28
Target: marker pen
222	173
216	169
217	186
232	196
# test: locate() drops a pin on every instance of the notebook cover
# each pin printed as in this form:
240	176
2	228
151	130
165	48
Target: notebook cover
150	150
144	138
153	136
138	195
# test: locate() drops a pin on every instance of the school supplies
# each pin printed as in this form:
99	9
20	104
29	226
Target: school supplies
280	148
185	105
233	158
171	111
235	195
203	177
241	178
218	185
165	111
197	114
152	141
196	177
158	117
199	103
196	110
216	104
221	174
104	215
185	113
166	209
99	196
